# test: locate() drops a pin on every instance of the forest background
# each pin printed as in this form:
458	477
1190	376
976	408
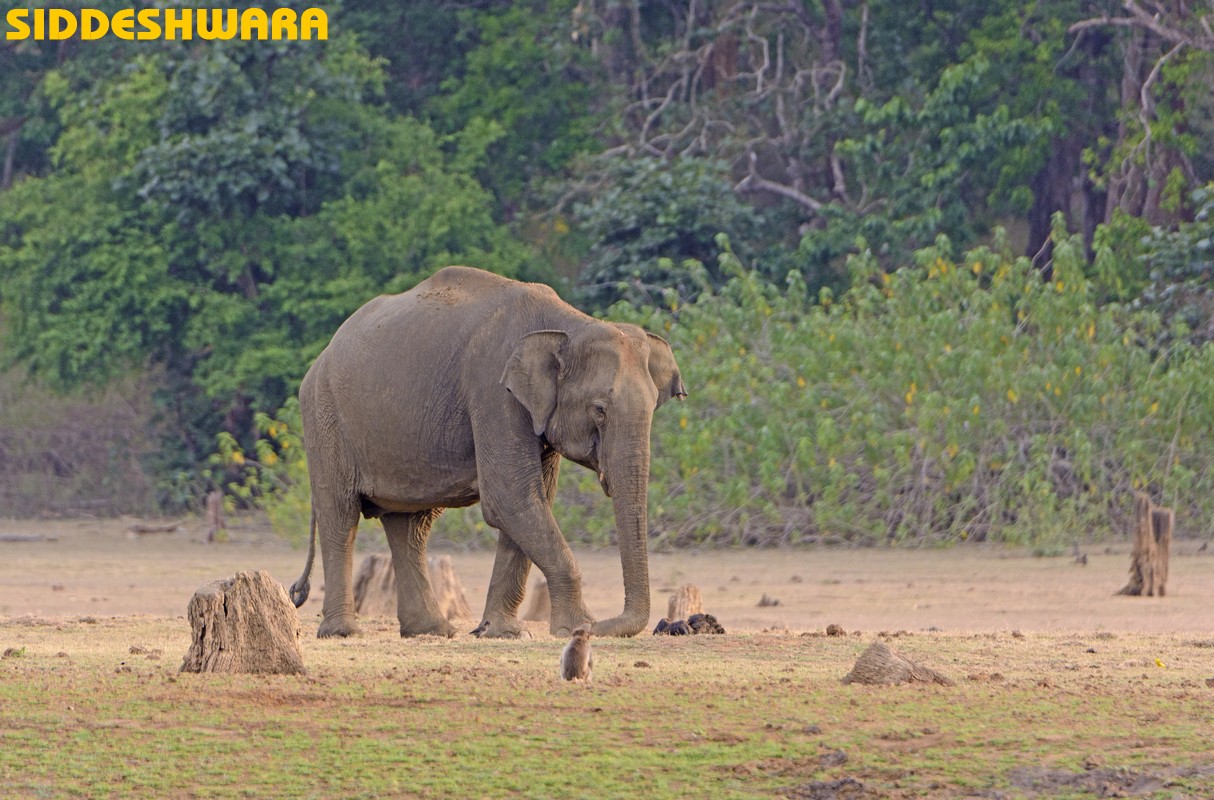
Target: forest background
934	271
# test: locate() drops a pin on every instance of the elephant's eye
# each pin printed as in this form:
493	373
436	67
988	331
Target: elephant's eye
599	410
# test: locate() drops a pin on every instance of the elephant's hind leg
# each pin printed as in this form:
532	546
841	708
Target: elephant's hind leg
337	531
416	607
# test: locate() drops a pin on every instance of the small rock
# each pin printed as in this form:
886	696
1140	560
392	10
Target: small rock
835	630
641	664
833	758
766	600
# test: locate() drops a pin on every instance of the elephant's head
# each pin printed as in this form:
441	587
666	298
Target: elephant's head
591	394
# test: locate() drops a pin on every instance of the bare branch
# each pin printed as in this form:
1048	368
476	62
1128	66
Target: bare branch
756	183
1172	32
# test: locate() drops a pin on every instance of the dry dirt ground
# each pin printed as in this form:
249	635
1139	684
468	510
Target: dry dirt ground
1003	622
98	567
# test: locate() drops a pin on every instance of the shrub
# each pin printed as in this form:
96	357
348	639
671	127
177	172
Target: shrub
950	400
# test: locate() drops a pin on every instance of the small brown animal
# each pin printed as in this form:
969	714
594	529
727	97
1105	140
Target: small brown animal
577	662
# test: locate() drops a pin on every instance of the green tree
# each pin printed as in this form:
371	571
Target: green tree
650	218
524	73
214	213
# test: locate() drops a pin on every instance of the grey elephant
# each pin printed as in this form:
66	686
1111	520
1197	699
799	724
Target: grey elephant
471	387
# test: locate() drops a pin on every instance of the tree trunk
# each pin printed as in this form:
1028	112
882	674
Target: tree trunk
375	587
1051	193
685	602
215	521
245	624
1152	542
540	609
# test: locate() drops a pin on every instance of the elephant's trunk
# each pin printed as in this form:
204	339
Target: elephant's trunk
627	472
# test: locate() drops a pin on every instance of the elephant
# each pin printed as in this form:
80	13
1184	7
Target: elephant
472	387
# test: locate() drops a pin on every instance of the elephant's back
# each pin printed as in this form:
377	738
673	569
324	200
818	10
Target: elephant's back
454	319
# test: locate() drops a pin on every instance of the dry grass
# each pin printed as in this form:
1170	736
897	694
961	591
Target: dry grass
95	707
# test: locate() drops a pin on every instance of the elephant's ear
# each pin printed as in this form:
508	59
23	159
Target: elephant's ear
664	371
531	374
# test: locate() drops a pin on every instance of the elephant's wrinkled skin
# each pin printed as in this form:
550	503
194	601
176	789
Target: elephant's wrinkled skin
471	387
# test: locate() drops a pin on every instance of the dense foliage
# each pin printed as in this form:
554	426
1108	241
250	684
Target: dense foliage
205	214
957	398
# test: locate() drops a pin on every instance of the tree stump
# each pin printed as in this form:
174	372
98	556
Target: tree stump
540	609
1152	542
447	588
879	665
215	521
375	587
245	624
685	602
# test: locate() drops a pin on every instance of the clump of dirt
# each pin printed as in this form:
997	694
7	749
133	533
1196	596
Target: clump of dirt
839	789
1101	781
880	665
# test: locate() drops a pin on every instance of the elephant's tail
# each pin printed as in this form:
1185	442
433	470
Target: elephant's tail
301	587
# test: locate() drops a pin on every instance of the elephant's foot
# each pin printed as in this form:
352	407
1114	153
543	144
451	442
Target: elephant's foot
337	626
500	628
437	626
563	623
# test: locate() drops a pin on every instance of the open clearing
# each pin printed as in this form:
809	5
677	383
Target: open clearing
1062	689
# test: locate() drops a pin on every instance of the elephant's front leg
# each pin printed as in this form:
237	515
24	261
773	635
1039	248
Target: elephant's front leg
532	533
416	607
507	587
511	566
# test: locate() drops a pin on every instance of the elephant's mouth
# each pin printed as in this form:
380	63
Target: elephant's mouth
593	462
594	459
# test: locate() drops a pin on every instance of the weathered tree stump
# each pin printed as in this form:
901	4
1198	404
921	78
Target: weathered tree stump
879	665
447	588
685	602
245	624
540	609
375	587
215	521
1152	542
